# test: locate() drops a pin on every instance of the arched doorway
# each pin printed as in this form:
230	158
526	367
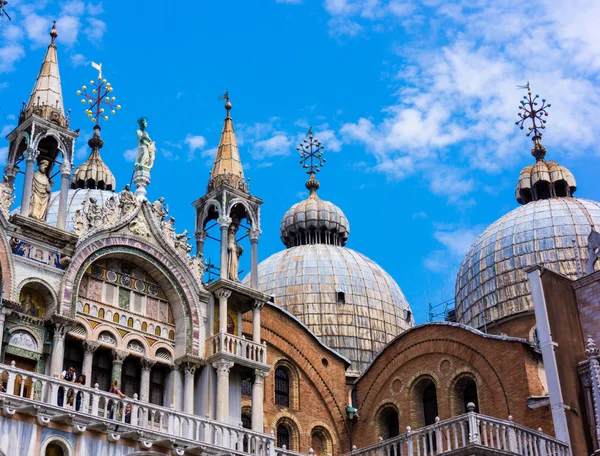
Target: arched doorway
389	422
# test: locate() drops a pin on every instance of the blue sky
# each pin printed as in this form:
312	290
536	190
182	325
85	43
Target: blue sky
415	103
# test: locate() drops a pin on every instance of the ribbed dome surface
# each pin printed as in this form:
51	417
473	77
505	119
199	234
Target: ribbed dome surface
545	232
314	221
93	173
345	298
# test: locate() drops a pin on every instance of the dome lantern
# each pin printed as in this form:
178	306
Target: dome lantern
313	221
544	179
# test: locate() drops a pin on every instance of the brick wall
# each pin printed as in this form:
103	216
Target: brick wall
587	291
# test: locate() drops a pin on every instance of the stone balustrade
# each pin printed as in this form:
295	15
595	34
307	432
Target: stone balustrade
49	399
237	346
479	434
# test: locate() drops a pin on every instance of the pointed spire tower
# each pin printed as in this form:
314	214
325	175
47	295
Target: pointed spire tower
228	202
228	166
43	135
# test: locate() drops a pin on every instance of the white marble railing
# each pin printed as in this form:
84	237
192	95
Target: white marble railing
469	430
24	391
238	346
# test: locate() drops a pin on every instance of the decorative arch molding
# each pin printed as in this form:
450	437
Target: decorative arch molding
249	212
327	441
131	337
60	441
62	147
438	346
332	435
12	154
86	325
384	403
207	206
161	346
289	421
111	330
7	268
188	339
52	306
452	387
294	378
33	334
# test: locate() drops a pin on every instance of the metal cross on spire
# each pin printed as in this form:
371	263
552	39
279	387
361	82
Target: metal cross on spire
311	154
99	99
529	106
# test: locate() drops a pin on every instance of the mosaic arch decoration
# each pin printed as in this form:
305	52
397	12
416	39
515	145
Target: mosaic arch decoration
31	303
191	318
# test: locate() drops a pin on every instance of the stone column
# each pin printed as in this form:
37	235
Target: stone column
117	365
65	172
175	395
30	156
89	347
58	349
224	222
254	234
256	308
189	370
223	295
145	381
200	238
223	367
258	398
2	318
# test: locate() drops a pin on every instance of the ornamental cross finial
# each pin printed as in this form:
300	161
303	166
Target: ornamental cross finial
99	98
529	106
311	154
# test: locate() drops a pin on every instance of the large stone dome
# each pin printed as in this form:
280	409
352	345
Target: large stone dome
551	232
75	201
345	298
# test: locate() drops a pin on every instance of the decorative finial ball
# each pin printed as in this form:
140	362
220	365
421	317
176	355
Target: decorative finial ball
228	105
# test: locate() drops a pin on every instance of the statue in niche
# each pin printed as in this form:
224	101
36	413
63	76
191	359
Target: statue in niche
127	201
41	188
160	210
146	147
234	252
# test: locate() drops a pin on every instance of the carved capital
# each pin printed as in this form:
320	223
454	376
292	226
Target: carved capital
257	305
201	235
223	294
189	368
11	171
30	154
119	355
66	168
260	375
224	221
147	363
60	330
254	234
90	347
223	367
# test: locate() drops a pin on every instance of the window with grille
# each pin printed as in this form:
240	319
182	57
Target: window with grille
246	421
247	387
282	387
430	406
283	436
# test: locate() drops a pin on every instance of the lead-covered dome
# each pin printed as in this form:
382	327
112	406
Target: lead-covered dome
345	298
549	232
75	200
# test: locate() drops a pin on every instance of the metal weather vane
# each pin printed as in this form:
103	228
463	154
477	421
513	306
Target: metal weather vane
311	153
531	110
99	99
3	12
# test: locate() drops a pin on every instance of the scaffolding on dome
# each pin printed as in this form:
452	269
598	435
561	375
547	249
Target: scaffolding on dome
442	311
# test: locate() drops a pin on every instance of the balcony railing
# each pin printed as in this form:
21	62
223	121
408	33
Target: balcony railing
83	407
478	433
237	346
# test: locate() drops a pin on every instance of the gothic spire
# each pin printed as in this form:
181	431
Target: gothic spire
46	99
227	168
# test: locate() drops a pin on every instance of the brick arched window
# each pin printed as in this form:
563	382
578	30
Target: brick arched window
463	392
389	422
282	387
430	406
283	436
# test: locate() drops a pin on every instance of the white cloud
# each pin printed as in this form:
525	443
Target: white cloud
78	60
37	29
95	31
6	129
74	7
329	140
68	28
94	10
456	243
277	145
12	32
194	143
9	55
130	154
3	155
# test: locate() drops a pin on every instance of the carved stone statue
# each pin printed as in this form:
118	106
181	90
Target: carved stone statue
127	201
168	228
111	208
40	191
181	243
94	214
593	250
146	147
160	210
234	253
79	222
7	196
197	267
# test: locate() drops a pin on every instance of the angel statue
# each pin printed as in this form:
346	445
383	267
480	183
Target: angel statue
146	147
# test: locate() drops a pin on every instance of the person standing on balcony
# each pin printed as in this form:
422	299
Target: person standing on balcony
114	390
67	375
79	397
